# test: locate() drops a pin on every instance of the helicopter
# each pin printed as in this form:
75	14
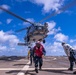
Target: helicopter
37	31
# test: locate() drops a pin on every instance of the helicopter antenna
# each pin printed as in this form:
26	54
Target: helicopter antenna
73	3
9	12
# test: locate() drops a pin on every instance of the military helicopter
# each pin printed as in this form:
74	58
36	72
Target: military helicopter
37	31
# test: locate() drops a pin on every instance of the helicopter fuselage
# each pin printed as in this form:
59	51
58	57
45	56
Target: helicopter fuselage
37	31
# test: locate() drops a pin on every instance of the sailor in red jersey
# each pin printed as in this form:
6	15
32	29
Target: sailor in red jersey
39	51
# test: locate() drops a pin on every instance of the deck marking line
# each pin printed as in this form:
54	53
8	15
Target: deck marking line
33	69
24	68
10	68
52	68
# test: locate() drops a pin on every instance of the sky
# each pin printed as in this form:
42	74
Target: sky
62	26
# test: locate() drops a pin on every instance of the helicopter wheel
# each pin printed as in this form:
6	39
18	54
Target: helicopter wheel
43	41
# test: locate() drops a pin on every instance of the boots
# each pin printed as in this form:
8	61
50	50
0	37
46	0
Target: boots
36	70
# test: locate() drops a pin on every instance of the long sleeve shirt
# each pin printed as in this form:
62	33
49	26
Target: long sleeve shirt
67	49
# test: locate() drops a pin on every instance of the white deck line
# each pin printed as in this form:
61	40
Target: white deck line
51	68
24	68
10	69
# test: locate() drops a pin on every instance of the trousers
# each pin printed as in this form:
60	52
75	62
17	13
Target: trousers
38	61
71	62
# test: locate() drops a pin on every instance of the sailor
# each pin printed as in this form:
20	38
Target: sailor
39	52
30	55
69	50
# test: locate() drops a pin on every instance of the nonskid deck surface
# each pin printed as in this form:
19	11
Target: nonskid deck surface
52	65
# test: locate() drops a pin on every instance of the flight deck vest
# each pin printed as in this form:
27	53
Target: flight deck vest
38	51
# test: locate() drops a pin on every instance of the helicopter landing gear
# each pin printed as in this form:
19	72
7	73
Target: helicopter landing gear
43	41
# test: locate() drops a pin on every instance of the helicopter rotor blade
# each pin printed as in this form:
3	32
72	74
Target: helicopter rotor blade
21	29
15	15
73	3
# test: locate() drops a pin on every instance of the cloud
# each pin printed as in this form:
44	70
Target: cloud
55	46
48	5
68	12
51	25
8	21
7	41
54	49
72	40
3	48
10	32
52	29
0	23
9	47
60	37
4	6
74	46
29	19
